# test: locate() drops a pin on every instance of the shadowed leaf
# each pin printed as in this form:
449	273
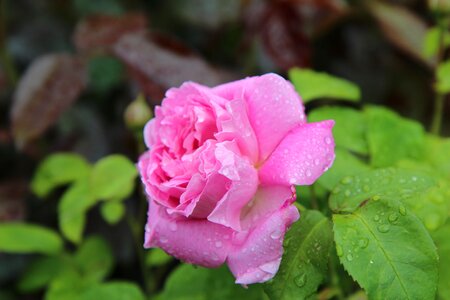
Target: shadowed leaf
50	85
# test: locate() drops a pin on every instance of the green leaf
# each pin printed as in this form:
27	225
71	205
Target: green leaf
113	291
68	285
41	272
94	258
189	283
104	73
437	154
432	41
112	211
345	164
58	169
387	250
392	137
443	77
113	177
28	238
442	240
352	191
157	257
305	259
72	210
350	127
312	85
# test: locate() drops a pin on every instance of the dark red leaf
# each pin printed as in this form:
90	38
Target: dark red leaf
158	63
50	85
103	31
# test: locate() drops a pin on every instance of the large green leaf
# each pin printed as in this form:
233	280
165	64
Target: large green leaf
189	283
305	260
59	169
312	85
42	271
352	191
443	77
113	291
28	238
94	258
113	177
72	210
392	137
442	239
68	285
350	127
387	250
345	164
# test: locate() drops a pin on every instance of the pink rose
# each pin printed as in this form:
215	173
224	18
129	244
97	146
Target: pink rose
220	171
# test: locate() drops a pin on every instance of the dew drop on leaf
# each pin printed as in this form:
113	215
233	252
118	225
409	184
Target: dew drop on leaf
349	257
339	251
363	243
402	210
383	228
300	280
393	217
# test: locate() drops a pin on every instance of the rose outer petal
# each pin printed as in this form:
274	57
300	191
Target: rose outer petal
301	157
258	258
196	241
274	108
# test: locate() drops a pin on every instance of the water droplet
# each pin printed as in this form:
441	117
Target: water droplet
336	190
376	218
376	198
393	217
339	251
163	239
383	228
173	226
308	173
218	244
402	210
349	257
363	243
347	180
316	161
300	280
327	140
276	234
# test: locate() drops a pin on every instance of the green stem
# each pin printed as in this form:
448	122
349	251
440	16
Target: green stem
438	113
314	203
335	278
436	121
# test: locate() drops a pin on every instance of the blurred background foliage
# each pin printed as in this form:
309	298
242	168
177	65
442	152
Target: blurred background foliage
69	71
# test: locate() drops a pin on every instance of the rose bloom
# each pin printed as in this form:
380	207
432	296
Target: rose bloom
220	171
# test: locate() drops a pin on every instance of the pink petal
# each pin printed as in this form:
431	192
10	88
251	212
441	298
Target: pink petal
194	241
236	126
257	259
301	157
266	200
274	108
244	182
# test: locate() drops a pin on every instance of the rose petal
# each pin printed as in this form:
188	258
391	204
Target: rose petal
257	259
266	200
301	157
194	241
243	186
236	126
274	108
